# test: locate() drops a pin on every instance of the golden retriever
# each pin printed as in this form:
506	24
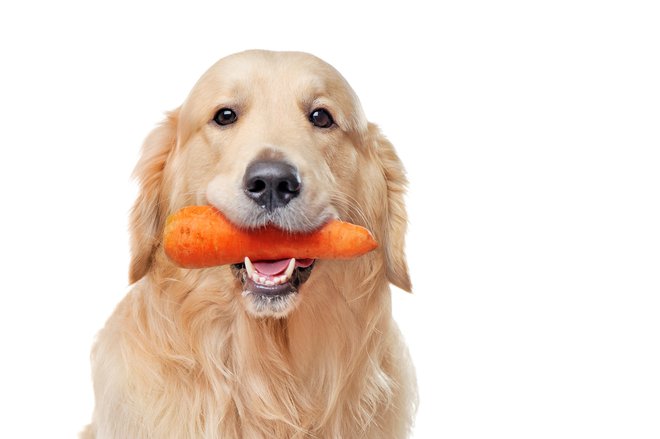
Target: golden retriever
268	138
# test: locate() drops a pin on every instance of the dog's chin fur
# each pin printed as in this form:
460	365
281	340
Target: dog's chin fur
266	306
188	355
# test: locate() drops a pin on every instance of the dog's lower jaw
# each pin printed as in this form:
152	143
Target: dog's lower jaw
277	301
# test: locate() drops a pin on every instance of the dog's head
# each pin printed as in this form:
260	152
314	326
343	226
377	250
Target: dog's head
273	138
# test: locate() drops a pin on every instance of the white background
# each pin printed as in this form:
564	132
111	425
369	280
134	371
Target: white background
531	135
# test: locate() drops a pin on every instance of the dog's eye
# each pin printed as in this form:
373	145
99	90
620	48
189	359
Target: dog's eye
321	118
225	116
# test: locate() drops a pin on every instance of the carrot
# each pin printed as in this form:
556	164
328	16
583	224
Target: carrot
200	236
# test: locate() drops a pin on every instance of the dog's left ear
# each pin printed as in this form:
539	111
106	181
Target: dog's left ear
396	219
149	210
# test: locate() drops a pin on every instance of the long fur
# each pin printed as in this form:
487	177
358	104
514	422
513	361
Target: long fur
181	358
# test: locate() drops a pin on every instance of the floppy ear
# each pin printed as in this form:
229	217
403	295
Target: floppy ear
151	205
396	219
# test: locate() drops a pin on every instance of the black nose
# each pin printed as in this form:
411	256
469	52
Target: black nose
271	184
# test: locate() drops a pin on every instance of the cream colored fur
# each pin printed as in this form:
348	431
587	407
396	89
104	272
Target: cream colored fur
181	357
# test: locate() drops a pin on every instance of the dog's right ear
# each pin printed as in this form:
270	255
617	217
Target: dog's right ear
394	210
151	205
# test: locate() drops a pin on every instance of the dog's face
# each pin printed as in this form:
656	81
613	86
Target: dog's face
280	139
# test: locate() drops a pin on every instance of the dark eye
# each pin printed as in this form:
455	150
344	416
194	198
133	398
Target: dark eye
225	116
321	118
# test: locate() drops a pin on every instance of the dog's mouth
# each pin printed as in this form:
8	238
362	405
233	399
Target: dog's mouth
270	284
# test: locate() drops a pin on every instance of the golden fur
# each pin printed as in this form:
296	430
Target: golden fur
183	356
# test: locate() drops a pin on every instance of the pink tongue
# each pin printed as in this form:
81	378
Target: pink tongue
304	262
272	268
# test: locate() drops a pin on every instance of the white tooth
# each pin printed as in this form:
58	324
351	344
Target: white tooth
270	283
289	270
279	280
262	280
255	277
249	267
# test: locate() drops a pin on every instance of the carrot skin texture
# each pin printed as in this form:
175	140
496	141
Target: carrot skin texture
200	236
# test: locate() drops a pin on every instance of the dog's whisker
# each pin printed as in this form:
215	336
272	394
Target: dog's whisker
351	203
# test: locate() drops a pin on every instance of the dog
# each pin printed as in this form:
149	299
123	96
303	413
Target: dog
268	138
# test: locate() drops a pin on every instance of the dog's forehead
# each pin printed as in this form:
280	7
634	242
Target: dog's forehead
260	75
247	70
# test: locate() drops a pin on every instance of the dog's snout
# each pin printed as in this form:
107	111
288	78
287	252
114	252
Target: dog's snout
271	184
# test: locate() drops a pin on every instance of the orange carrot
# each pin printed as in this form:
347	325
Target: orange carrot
200	236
